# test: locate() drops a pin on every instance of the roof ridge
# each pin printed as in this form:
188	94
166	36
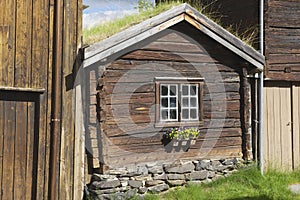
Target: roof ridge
164	20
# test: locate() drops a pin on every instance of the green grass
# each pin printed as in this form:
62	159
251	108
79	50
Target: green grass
245	184
105	30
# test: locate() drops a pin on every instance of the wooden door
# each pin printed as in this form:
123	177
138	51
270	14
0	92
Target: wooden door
18	149
281	125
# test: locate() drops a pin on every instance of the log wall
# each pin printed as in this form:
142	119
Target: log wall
126	101
282	31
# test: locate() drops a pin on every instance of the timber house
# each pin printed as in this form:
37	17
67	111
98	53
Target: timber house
177	69
61	120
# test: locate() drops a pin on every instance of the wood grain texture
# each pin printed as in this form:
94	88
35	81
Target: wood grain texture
30	140
282	38
2	128
278	150
26	56
20	150
9	150
296	126
126	99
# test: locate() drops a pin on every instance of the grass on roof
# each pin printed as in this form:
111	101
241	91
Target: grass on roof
107	29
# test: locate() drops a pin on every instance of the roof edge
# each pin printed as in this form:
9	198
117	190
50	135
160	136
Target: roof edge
135	30
222	32
142	30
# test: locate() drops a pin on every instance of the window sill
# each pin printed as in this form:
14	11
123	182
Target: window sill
177	124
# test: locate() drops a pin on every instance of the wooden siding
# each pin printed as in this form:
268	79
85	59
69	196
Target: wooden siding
296	125
282	31
19	113
122	143
281	129
26	61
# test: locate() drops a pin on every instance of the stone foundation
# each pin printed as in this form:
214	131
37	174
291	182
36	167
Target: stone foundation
124	183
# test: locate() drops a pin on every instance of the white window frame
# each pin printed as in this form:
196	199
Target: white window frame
169	108
189	97
180	82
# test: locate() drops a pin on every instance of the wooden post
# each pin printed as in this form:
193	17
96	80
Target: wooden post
245	115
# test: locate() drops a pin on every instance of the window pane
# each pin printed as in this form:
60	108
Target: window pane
173	114
173	102
173	90
185	114
193	113
164	90
193	90
185	90
164	114
185	102
193	102
164	102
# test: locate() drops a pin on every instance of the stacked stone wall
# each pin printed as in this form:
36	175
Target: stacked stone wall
130	181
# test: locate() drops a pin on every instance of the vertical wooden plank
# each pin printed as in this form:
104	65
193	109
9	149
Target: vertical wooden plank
47	97
296	126
47	101
286	124
22	74
1	141
20	151
8	61
266	127
30	187
40	43
271	128
276	162
79	147
2	36
67	135
4	32
8	150
40	25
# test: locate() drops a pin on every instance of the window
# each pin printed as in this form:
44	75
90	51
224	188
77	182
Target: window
179	101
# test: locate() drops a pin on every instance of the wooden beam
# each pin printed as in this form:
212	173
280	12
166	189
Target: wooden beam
19	89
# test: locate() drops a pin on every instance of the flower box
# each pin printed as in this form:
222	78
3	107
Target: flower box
181	138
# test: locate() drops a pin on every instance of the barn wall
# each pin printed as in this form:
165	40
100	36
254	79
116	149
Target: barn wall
125	140
282	40
26	61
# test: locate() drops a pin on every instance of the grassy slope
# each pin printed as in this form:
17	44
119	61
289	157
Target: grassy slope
245	184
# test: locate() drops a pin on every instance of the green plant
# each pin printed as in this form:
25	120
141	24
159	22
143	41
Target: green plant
144	5
148	10
183	133
247	183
